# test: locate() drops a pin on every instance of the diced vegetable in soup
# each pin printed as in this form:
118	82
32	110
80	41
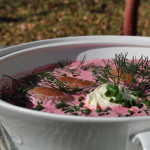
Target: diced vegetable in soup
117	87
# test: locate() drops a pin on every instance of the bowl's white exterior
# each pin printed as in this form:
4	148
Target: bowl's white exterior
32	130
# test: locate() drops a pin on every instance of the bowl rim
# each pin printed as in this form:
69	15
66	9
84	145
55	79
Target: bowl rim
102	39
137	41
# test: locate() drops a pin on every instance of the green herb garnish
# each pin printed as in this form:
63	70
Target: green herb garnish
112	90
136	69
132	102
38	107
51	80
107	109
101	114
63	63
98	110
126	103
137	93
81	104
112	100
86	92
131	112
72	108
60	105
87	111
139	105
80	98
146	111
64	75
146	102
118	99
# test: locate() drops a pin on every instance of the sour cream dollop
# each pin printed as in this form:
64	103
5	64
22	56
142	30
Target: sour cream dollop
97	98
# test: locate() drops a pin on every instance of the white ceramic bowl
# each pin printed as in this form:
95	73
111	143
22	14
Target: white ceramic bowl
33	130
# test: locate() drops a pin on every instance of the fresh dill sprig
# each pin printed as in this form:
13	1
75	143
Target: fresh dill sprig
51	80
63	63
30	80
136	69
75	71
82	61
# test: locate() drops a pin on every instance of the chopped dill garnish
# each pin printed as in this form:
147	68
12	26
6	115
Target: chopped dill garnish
98	110
107	109
80	98
72	108
81	104
87	111
38	107
131	112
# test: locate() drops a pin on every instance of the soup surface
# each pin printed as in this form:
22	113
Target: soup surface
98	88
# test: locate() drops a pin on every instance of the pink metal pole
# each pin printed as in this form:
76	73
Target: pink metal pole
131	17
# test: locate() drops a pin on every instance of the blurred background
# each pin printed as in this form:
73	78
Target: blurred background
25	21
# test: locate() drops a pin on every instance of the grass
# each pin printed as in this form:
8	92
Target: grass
24	21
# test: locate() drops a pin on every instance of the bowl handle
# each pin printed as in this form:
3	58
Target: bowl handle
142	138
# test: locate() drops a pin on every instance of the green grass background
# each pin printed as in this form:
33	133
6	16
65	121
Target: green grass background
29	20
